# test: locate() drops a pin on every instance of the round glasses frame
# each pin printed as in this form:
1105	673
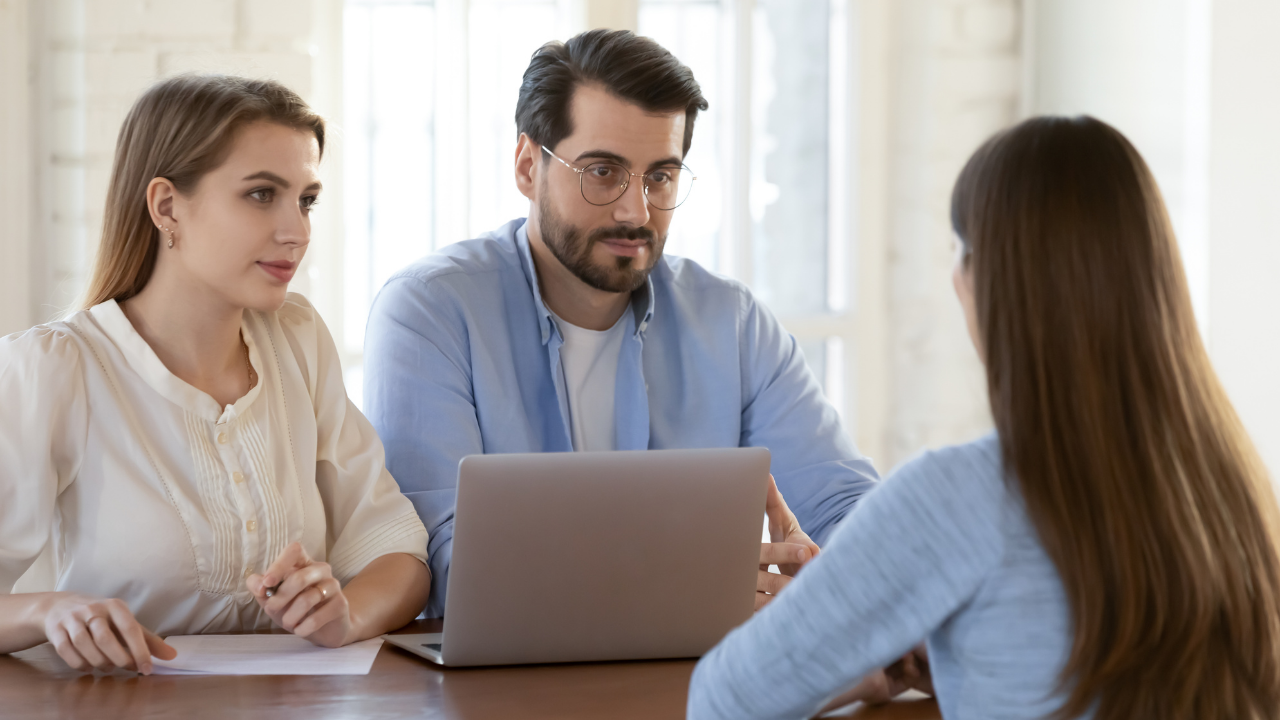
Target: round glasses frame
626	183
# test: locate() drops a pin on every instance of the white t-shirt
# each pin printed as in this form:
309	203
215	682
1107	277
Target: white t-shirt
589	360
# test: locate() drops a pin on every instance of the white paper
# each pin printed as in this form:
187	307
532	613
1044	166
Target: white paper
264	655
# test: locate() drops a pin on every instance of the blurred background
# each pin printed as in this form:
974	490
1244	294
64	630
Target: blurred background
824	165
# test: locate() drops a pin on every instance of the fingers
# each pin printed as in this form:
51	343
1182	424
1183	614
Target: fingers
307	601
781	520
83	642
158	647
104	637
328	611
771	583
290	559
67	651
293	584
784	553
129	629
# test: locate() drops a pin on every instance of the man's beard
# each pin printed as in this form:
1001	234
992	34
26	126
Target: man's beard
566	242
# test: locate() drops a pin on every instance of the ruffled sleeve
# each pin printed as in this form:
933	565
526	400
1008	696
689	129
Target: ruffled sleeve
367	515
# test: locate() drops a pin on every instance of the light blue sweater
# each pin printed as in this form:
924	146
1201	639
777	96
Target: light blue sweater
942	550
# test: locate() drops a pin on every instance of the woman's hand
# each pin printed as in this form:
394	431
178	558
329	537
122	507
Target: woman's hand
910	672
305	598
94	633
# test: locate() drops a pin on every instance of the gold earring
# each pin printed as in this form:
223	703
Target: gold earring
165	229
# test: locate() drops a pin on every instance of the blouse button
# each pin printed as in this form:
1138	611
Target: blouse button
251	525
222	438
238	477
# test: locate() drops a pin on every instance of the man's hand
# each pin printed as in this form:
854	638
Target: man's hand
790	548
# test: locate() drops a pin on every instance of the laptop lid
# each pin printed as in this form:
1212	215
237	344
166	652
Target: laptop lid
569	557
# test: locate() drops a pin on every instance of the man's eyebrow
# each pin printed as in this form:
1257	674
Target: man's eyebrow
616	158
604	155
672	161
272	177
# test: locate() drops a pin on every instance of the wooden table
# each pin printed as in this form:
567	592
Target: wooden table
36	683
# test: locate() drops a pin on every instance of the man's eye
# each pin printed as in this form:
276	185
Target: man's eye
263	195
659	176
602	171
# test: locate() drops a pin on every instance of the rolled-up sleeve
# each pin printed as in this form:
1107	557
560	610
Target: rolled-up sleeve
418	393
818	470
368	516
43	425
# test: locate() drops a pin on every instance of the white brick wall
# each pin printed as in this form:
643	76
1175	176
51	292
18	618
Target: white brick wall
955	78
952	73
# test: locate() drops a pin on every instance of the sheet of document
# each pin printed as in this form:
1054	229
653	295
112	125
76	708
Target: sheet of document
264	655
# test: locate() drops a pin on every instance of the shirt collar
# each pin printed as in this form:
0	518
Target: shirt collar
641	300
144	361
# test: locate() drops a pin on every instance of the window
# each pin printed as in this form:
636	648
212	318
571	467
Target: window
429	92
772	160
430	88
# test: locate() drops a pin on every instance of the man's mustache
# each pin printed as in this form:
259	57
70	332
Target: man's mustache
621	233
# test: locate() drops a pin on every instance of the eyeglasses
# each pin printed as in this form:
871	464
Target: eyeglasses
603	183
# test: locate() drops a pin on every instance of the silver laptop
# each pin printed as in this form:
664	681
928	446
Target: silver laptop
572	557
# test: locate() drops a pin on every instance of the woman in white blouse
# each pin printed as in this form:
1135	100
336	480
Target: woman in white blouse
184	446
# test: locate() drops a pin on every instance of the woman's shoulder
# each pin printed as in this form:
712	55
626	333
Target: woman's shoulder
49	349
969	476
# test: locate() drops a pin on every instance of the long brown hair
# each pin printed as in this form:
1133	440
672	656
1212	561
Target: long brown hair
1144	487
180	129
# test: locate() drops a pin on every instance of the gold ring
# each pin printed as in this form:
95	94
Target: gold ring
324	594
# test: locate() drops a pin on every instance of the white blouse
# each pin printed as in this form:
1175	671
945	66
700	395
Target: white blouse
145	490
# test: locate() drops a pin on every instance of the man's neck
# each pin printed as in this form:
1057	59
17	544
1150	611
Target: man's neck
566	295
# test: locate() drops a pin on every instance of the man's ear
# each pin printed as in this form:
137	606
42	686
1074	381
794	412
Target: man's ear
528	166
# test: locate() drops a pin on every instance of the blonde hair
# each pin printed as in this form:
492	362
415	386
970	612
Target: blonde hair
180	129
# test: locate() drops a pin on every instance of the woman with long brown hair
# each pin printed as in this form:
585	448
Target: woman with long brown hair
183	444
1110	551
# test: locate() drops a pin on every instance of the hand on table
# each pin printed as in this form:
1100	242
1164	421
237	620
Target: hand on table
95	633
790	548
308	601
911	672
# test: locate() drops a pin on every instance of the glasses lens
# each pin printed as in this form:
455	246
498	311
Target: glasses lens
602	182
668	187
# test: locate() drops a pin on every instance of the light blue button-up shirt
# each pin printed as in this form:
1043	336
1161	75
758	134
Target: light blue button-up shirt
462	357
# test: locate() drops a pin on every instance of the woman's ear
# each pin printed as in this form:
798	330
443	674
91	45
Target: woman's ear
160	199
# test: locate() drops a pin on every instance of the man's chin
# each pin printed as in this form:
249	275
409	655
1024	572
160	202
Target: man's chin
612	278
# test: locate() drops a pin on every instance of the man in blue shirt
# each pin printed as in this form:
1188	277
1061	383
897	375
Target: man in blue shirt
571	331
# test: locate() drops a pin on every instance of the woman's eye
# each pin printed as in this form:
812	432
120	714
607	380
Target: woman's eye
263	195
309	202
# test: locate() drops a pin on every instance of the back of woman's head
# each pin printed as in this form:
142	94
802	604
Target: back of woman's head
180	129
1143	486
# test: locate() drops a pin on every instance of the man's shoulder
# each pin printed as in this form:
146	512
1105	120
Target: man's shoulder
685	278
491	255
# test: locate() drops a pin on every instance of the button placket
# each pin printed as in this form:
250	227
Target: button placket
247	510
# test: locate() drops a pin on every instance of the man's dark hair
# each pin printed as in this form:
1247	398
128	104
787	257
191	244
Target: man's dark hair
633	68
